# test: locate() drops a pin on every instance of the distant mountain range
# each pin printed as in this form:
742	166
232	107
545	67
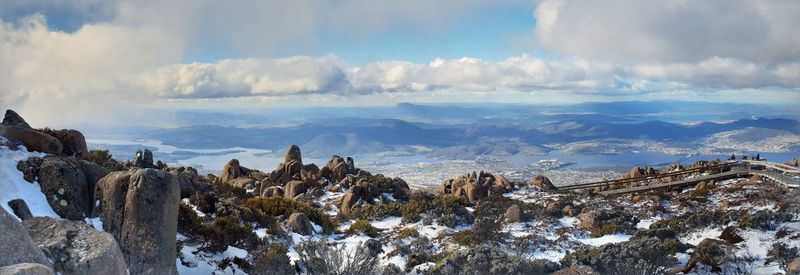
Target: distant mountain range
362	136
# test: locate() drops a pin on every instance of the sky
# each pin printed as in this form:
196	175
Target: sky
108	61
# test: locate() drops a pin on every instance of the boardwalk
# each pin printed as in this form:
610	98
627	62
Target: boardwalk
779	173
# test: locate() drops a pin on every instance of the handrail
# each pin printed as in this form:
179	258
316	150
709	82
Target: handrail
771	171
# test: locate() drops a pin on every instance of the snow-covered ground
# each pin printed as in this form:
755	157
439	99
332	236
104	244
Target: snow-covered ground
13	185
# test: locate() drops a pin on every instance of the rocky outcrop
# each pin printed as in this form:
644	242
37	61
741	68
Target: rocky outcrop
621	220
794	162
272	191
338	168
20	208
66	141
26	269
67	182
293	154
356	196
143	159
636	172
300	224
14	127
189	181
66	188
73	142
542	183
140	209
76	248
231	171
293	189
476	186
17	246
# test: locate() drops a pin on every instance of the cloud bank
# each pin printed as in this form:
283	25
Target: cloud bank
127	55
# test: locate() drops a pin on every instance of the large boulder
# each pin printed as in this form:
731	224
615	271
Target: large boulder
355	196
14	127
293	153
16	244
794	162
636	172
231	171
75	247
542	183
26	269
476	186
710	252
140	209
513	214
294	188
73	141
300	224
272	191
622	220
11	118
66	187
793	267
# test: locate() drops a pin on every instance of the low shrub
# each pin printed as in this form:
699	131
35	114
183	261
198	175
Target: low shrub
103	158
378	211
782	254
363	226
764	219
273	260
277	206
187	220
637	256
322	257
605	229
412	211
451	211
407	233
224	232
483	260
495	207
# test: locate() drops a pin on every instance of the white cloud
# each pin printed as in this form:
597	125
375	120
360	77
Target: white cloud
671	31
127	54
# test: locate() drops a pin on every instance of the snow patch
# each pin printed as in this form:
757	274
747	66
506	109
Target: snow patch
14	186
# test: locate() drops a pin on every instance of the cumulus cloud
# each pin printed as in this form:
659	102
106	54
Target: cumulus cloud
125	55
671	31
49	74
301	75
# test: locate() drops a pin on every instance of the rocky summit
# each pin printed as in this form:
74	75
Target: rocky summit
90	213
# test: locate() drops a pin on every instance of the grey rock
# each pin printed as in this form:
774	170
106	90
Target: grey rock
20	209
300	224
16	243
26	269
75	247
140	209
